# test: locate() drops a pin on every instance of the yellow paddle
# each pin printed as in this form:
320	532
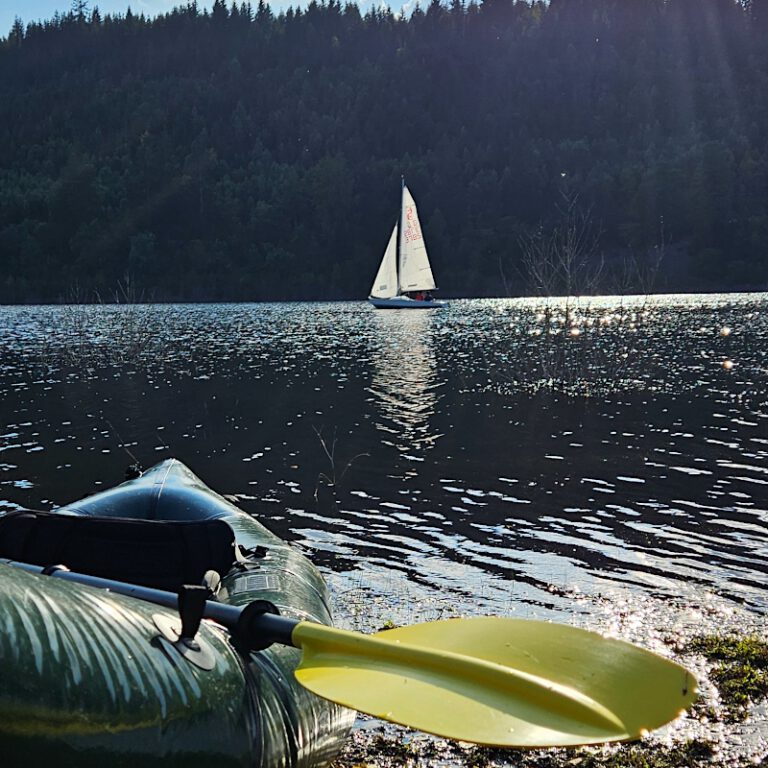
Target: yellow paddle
496	681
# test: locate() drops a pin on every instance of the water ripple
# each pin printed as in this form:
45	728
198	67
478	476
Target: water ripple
486	455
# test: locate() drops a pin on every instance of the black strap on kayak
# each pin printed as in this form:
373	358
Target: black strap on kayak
152	553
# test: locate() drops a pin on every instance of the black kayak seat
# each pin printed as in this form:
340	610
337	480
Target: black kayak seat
162	554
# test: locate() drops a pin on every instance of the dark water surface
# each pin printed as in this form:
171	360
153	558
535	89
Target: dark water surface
502	456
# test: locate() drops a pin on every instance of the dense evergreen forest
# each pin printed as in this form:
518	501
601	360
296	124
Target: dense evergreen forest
235	154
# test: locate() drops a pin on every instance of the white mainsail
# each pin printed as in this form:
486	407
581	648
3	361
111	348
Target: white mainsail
415	272
385	284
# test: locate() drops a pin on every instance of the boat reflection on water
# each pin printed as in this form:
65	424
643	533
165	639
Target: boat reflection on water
405	383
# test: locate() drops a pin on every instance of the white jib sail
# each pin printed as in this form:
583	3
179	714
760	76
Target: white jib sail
415	272
385	284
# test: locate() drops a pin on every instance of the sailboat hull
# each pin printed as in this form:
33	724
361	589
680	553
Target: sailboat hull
403	302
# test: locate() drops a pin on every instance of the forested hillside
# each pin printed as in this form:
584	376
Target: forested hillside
236	154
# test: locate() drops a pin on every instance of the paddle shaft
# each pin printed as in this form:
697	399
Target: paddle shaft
257	629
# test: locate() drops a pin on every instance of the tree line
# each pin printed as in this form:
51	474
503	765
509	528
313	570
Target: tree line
235	154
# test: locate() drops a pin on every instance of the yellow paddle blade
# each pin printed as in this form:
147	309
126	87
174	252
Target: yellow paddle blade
497	681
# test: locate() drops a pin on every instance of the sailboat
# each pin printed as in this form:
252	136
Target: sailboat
405	278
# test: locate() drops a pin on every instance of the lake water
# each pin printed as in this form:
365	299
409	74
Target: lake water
592	461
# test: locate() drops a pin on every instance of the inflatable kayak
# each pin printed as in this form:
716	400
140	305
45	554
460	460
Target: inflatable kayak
89	677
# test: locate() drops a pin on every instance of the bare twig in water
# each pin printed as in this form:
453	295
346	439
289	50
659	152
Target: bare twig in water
575	347
564	261
122	443
332	481
90	332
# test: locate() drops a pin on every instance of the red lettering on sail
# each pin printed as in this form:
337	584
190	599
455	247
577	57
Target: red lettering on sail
412	232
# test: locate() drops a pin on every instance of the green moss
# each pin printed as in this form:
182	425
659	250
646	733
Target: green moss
748	649
689	755
388	624
740	670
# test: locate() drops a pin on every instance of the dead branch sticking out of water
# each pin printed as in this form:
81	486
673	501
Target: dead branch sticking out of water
574	347
91	332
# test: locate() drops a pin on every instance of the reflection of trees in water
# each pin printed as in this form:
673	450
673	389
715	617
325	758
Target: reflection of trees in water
405	378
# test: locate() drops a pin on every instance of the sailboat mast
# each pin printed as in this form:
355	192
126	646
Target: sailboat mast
400	231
